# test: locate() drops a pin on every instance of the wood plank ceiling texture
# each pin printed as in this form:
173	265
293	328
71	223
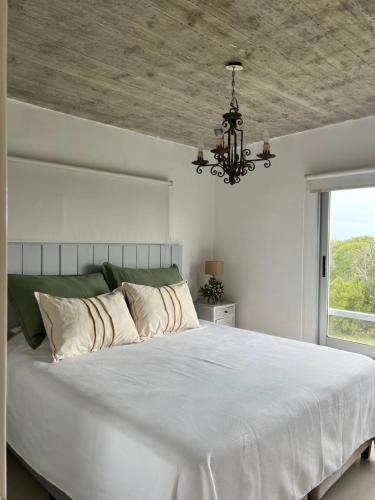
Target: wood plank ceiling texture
157	66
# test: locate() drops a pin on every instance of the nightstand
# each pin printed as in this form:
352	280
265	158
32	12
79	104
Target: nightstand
222	313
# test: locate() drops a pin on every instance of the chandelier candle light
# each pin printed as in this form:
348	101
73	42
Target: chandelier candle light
232	159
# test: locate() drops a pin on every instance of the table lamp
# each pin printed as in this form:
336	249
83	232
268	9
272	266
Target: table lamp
213	290
214	267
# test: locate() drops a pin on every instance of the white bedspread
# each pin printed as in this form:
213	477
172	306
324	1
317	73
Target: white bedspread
213	414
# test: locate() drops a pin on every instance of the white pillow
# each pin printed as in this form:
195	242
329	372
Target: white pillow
158	311
77	326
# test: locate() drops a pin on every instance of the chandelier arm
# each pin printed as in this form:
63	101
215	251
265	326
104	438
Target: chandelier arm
267	164
209	165
214	170
246	152
250	165
200	168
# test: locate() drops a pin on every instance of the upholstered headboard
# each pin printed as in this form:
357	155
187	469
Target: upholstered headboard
79	258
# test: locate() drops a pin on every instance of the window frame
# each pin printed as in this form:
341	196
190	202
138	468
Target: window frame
324	254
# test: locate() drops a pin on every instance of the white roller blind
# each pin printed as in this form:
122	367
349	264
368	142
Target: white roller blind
347	179
60	204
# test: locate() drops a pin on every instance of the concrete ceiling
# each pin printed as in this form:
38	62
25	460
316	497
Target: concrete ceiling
157	66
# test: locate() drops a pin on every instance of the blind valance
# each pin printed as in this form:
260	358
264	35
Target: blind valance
345	179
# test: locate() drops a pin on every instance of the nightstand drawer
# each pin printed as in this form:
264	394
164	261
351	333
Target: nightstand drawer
223	312
229	320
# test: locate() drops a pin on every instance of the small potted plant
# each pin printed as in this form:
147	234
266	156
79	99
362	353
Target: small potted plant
213	290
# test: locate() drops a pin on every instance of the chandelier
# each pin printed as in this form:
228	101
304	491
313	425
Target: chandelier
232	159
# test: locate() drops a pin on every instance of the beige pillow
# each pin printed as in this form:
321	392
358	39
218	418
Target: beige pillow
156	311
77	326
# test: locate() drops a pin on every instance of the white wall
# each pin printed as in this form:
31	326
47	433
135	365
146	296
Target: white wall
266	228
43	134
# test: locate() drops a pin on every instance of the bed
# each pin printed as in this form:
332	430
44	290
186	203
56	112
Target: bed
217	413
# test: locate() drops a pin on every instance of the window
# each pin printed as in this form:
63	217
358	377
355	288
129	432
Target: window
347	283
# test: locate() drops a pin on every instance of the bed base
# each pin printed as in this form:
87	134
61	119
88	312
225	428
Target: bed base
317	493
363	451
54	492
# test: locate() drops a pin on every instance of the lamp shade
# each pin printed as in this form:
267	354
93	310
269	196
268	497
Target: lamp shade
214	267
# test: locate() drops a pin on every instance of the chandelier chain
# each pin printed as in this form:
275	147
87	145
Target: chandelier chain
233	83
234	103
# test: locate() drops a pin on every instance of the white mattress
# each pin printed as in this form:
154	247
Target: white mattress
213	414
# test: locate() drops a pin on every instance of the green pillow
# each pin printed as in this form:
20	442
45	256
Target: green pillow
21	290
115	275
